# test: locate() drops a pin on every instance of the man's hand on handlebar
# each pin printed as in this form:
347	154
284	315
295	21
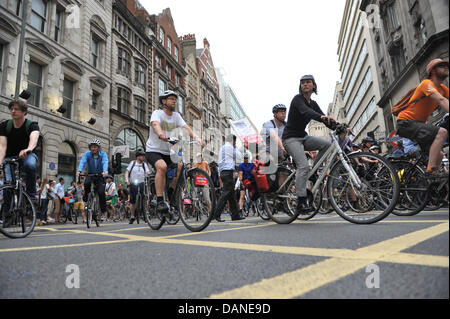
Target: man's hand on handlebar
163	137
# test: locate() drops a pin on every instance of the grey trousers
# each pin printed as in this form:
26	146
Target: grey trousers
296	147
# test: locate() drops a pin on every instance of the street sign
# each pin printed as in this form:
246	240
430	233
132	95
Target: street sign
52	166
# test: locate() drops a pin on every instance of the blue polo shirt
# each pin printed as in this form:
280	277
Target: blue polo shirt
246	169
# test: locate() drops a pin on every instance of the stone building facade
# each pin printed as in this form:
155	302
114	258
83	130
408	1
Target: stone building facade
359	82
406	35
130	69
68	75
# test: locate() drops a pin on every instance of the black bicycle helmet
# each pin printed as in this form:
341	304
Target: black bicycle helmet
368	139
140	152
278	107
166	94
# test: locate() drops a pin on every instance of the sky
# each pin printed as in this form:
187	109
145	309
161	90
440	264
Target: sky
264	47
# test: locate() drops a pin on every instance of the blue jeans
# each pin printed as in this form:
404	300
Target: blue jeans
44	209
29	167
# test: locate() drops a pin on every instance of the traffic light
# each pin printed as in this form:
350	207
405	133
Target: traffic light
117	164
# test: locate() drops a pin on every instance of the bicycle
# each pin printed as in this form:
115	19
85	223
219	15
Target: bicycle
186	199
345	179
122	210
69	212
92	209
20	217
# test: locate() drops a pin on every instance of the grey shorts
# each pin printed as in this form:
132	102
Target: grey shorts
422	133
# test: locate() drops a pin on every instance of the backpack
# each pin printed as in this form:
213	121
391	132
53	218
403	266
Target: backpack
403	103
9	126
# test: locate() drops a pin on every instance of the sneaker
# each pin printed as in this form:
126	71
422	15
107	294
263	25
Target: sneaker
132	219
162	207
304	209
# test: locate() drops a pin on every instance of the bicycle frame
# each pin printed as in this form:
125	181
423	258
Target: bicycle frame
329	155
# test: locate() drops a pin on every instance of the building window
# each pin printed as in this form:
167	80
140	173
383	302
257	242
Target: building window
161	36
180	105
175	52
38	14
68	97
177	79
1	57
58	24
94	51
16	6
95	100
118	24
124	64
421	33
140	109
34	83
158	61
123	100
139	77
169	45
125	31
161	87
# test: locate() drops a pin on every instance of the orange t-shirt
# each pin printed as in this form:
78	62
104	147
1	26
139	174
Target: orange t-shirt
421	110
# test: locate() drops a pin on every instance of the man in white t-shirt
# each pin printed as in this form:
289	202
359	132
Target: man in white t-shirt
162	126
135	177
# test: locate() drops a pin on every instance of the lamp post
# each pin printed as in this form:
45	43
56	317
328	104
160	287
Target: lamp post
21	44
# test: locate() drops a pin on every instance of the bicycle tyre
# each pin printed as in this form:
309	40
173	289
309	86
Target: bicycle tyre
154	219
200	216
382	175
96	210
23	227
278	207
89	211
73	215
413	195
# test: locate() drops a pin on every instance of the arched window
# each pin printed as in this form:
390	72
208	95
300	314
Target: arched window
66	163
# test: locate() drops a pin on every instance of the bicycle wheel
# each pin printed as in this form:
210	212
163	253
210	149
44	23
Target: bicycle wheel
196	213
89	211
282	208
379	183
154	219
413	189
96	215
260	209
73	215
18	220
175	216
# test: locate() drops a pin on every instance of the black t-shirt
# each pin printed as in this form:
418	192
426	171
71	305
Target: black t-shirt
18	139
123	194
300	114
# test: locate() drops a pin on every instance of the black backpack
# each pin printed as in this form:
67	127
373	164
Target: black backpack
9	126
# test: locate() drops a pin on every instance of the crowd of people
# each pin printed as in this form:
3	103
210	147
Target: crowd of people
19	136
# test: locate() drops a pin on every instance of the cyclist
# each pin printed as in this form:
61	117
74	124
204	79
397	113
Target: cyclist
367	143
296	141
97	163
111	197
162	124
19	137
273	130
245	172
135	178
411	122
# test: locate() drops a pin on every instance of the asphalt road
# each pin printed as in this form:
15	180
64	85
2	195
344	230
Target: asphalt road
326	257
